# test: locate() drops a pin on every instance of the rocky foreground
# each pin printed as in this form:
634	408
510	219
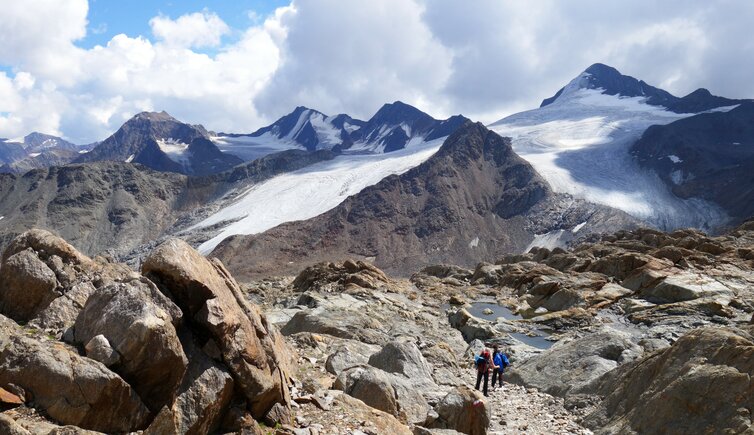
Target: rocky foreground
639	332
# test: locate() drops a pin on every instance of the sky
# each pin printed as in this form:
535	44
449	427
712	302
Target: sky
79	69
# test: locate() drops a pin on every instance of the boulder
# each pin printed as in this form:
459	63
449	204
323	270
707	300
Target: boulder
700	384
71	389
62	312
384	391
403	359
47	245
252	348
471	328
344	358
99	349
27	286
348	324
463	410
684	287
383	422
138	322
278	415
203	397
575	366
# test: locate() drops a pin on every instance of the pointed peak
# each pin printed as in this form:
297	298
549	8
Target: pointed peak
701	92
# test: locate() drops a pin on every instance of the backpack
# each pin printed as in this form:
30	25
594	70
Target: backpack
482	360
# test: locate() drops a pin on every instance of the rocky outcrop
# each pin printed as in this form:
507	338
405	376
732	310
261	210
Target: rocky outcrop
141	361
574	367
342	359
208	295
202	399
69	388
699	384
340	276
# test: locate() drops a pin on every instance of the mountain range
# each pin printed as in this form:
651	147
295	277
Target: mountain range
402	189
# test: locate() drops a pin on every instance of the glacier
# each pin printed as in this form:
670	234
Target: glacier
311	191
580	144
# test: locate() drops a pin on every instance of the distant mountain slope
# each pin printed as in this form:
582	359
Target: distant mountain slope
580	142
118	206
96	206
159	141
611	82
394	127
708	156
36	150
473	199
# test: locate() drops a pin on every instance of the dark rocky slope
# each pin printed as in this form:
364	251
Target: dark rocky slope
474	199
138	141
709	156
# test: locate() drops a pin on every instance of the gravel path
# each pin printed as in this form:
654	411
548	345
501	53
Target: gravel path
518	410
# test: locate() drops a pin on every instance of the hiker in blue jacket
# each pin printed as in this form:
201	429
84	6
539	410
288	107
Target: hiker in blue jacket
500	361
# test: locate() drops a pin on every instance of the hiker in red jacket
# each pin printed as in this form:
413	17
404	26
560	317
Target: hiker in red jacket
483	366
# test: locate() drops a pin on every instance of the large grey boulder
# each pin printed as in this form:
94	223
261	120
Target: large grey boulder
69	388
700	384
344	358
404	359
348	324
27	286
463	410
384	391
685	287
575	366
138	322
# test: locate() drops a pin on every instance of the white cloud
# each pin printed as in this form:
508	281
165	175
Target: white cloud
354	56
200	29
484	59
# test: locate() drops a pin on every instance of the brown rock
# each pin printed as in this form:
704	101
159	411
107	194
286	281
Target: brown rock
27	286
71	389
9	400
203	398
464	410
700	384
278	414
251	347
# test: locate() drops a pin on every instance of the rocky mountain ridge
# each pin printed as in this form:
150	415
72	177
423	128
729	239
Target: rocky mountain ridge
611	82
473	199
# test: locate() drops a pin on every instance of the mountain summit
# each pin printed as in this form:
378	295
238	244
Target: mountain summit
159	141
611	82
